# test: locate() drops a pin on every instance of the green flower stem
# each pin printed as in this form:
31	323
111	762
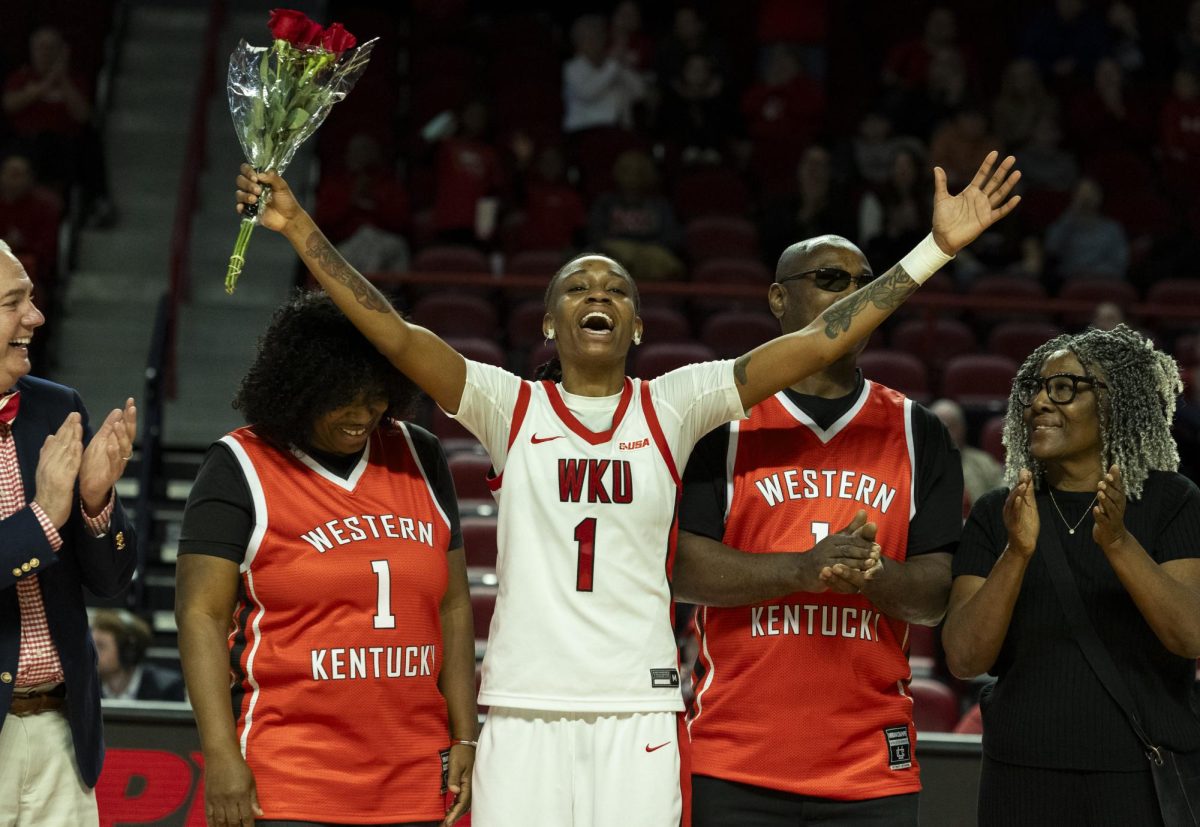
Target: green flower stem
238	259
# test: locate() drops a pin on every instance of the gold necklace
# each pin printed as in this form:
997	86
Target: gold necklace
1087	511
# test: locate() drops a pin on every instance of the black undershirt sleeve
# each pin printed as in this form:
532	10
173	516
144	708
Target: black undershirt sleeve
937	523
702	504
433	460
219	516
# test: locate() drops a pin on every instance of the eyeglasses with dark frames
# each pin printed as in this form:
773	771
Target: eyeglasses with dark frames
1061	388
833	279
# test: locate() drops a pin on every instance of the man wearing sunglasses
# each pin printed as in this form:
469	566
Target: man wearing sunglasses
823	670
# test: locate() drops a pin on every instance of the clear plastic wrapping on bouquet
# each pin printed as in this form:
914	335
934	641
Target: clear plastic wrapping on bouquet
278	96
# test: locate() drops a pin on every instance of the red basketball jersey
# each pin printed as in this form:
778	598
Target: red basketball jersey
808	693
336	644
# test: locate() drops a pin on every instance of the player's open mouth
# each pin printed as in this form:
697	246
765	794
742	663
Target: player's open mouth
599	324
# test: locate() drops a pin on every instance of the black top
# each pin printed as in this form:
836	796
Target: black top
1048	708
939	501
219	517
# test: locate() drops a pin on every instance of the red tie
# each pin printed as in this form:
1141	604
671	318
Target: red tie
9	406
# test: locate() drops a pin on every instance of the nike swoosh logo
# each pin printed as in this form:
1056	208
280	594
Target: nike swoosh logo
660	746
537	440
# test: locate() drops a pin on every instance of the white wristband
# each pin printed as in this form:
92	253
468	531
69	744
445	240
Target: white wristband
924	260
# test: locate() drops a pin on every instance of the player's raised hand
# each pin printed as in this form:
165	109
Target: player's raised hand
960	219
280	209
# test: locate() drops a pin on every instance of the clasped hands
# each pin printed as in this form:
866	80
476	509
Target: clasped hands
64	459
845	561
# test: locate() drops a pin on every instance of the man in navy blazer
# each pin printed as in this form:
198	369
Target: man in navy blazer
61	528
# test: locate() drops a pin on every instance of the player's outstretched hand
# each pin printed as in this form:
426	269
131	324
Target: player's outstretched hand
960	219
281	208
462	761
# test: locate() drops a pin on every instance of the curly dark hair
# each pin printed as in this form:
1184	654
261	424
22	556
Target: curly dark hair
310	361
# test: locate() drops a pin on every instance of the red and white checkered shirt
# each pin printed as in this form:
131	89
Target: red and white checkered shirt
38	661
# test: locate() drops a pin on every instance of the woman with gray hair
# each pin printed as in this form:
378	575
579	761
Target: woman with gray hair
1094	507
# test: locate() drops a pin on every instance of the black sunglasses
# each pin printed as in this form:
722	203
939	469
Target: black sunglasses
1061	388
833	279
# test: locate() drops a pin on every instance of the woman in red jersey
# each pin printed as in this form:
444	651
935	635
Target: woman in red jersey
324	614
581	670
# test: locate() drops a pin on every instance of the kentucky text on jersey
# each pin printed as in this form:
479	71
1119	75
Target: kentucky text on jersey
834	621
608	480
373	662
349	529
807	484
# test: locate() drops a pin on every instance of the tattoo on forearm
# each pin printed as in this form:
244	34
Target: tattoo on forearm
739	369
887	293
331	261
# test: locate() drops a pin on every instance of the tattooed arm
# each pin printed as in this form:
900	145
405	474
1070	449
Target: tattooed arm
433	365
957	221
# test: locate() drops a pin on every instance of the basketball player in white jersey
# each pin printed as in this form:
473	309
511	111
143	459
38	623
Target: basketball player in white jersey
581	666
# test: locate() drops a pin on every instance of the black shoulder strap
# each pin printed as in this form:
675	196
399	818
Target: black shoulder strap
1081	627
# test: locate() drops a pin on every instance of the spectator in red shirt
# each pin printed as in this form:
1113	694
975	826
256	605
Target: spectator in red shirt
365	209
907	65
552	214
468	172
29	220
48	107
784	113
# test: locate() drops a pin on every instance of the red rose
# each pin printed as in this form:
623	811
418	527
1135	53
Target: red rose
294	27
337	40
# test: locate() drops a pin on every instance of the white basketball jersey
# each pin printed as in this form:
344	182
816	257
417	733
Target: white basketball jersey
586	543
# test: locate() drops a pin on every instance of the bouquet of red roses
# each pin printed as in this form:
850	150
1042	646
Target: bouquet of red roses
280	94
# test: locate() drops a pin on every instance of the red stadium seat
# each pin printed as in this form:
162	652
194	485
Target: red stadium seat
743	272
1030	291
664	324
483	604
456	314
1017	340
524	323
479	542
1095	291
979	380
704	191
935	340
454	437
543	263
656	359
732	333
897	370
922	650
1175	293
935	706
480	350
991	438
720	236
1187	350
450	258
469	472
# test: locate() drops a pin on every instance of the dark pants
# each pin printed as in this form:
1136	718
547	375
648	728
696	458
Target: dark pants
717	803
1021	796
